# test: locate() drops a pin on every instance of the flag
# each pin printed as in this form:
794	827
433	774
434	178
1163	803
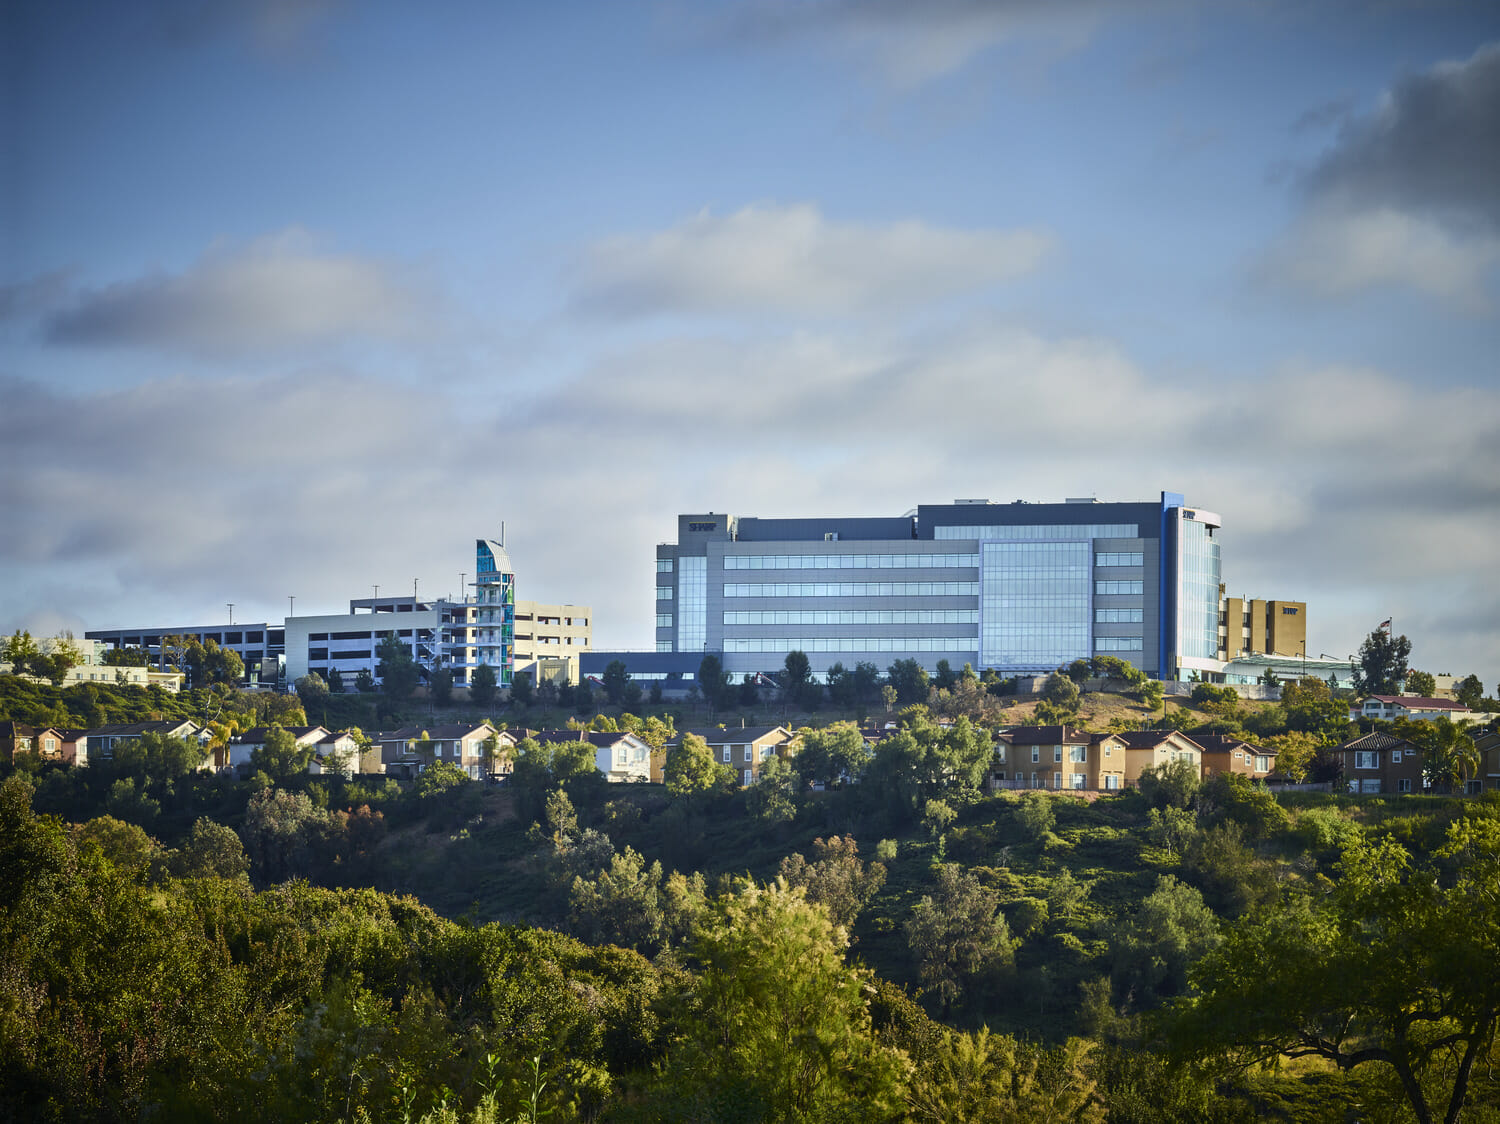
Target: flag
1386	623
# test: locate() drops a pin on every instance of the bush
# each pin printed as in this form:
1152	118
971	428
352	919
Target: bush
1325	829
1036	815
1233	797
1172	785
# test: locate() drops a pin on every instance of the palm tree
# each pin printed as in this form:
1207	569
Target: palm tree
1450	753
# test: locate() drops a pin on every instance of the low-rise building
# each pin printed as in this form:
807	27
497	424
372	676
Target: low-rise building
1058	757
99	742
1390	707
743	749
621	757
1488	744
1380	763
477	748
1225	754
242	747
19	739
1147	749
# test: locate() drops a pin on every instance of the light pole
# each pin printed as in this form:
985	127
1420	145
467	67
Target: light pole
291	605
231	613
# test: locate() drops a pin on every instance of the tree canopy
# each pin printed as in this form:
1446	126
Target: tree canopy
1380	666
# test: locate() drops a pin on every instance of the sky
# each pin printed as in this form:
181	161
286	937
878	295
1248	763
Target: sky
300	297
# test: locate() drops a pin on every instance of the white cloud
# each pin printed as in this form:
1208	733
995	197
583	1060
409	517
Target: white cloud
1359	493
1334	253
279	292
791	259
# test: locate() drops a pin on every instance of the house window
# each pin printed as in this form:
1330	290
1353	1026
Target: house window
726	755
1034	783
1367	759
1036	754
1000	776
622	755
1403	785
1395	757
1262	764
747	754
1112	781
1108	749
1371	785
1078	754
1056	780
749	777
1238	755
1057	753
1078	780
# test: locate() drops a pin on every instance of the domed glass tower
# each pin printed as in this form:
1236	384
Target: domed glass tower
495	596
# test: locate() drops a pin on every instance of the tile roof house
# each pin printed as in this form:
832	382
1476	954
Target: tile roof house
98	743
1146	749
241	747
458	743
743	748
1058	757
1380	762
1225	754
621	757
44	741
1389	707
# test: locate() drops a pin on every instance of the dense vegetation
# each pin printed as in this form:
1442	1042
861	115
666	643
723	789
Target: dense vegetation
187	946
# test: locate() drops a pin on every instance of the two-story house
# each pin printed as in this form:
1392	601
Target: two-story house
1391	707
1380	762
1488	744
466	745
242	747
621	757
99	742
1225	754
743	749
1058	757
17	738
1146	749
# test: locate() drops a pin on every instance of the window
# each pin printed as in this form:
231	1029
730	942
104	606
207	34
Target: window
850	561
726	755
49	745
663	620
1056	780
1078	754
1108	750
1395	757
1117	559
747	753
663	565
1119	616
622	755
749	777
1057	753
1078	780
1111	781
1403	785
1000	776
1366	759
1238	754
1262	764
1118	644
1036	754
664	593
1034	783
1372	785
1119	589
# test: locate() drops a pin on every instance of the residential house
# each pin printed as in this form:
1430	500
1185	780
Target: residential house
1145	749
1390	707
621	757
18	738
462	744
336	754
1225	754
242	747
1058	757
98	743
1380	762
745	747
1489	757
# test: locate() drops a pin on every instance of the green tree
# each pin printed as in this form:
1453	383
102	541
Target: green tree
312	690
1449	755
622	905
1172	784
1470	691
364	682
482	686
945	677
840	682
1156	942
1311	709
396	668
522	689
442	686
1294	752
1420	683
210	851
866	677
1380	666
127	657
909	678
616	682
837	879
690	768
797	683
19	649
1151	693
1061	692
281	758
829	755
157	757
712	681
782	1029
335	681
770	798
1393	968
958	936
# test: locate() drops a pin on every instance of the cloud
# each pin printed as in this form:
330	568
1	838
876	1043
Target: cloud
1407	194
791	259
1432	147
1334	252
914	43
1342	486
280	291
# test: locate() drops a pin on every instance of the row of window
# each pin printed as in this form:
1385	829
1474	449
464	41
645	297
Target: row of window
852	644
1043	531
1117	644
1118	616
854	589
852	616
663	620
665	593
1119	559
848	561
663	565
1078	780
1117	589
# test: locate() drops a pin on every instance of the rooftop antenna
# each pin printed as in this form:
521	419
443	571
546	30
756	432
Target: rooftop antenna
231	611
291	605
414	591
462	574
377	592
502	532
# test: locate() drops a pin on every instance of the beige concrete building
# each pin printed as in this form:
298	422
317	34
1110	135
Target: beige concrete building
1249	626
546	634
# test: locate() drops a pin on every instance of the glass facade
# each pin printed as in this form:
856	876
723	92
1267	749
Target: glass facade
1198	591
852	616
851	589
1042	531
692	604
849	561
963	644
1035	603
